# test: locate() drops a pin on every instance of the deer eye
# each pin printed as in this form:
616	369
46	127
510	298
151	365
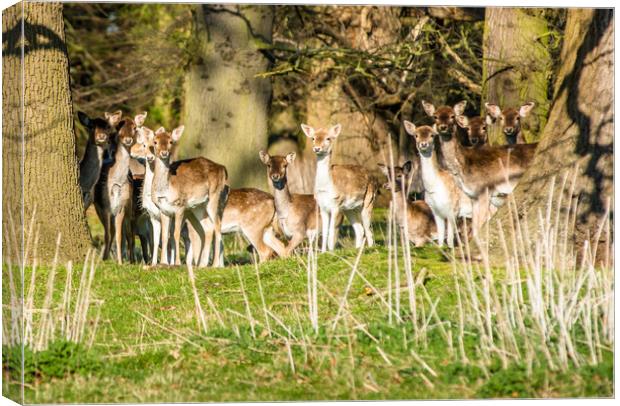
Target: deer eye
435	116
452	117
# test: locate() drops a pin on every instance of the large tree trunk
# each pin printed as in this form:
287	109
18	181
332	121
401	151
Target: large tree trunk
579	132
226	105
517	66
42	146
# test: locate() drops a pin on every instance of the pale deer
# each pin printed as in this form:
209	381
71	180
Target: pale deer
485	174
441	192
100	132
510	120
298	214
252	213
340	188
113	193
195	189
416	217
476	130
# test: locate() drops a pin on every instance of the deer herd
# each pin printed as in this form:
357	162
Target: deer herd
128	173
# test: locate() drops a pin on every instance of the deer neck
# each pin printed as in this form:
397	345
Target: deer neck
161	177
120	169
282	198
90	166
147	186
323	181
430	170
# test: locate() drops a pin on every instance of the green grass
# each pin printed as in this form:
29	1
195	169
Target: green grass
148	346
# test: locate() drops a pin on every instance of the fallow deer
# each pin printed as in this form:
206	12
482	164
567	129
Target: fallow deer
485	174
417	215
441	192
476	128
510	120
113	193
195	189
340	188
298	214
100	132
252	213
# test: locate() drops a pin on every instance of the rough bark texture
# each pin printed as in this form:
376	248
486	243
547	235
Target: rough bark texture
226	106
517	66
50	167
579	132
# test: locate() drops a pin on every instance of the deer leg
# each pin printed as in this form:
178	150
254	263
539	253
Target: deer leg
255	237
156	228
450	232
215	214
331	241
196	237
441	229
366	221
354	217
274	243
325	215
165	233
129	232
108	230
118	234
179	217
294	242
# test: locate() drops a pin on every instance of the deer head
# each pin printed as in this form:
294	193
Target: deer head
143	147
276	167
509	118
401	175
444	117
165	142
100	131
322	139
424	138
476	129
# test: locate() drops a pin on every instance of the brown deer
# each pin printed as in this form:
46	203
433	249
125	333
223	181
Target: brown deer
113	193
298	214
476	130
100	132
510	120
417	215
340	188
195	189
485	174
252	213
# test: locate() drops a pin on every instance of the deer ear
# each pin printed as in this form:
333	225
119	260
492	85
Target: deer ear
493	110
309	131
160	130
264	156
113	118
429	108
84	119
489	120
139	119
407	167
177	132
409	127
459	108
526	109
290	157
334	131
462	121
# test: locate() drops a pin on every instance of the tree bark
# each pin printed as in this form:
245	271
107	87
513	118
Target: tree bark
226	105
39	155
517	66
579	133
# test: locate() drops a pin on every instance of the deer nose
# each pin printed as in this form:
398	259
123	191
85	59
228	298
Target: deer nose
424	145
443	127
509	130
474	140
275	178
164	154
316	149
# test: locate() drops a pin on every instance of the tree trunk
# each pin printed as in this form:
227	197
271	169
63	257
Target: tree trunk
579	132
226	105
517	66
45	152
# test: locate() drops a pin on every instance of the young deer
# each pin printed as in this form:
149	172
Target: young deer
476	128
100	132
340	188
485	174
195	189
510	120
418	215
298	214
113	193
441	192
251	212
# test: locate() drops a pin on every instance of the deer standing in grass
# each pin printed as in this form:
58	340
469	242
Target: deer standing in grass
510	120
441	192
252	213
298	214
340	188
100	133
113	193
486	174
195	189
417	215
